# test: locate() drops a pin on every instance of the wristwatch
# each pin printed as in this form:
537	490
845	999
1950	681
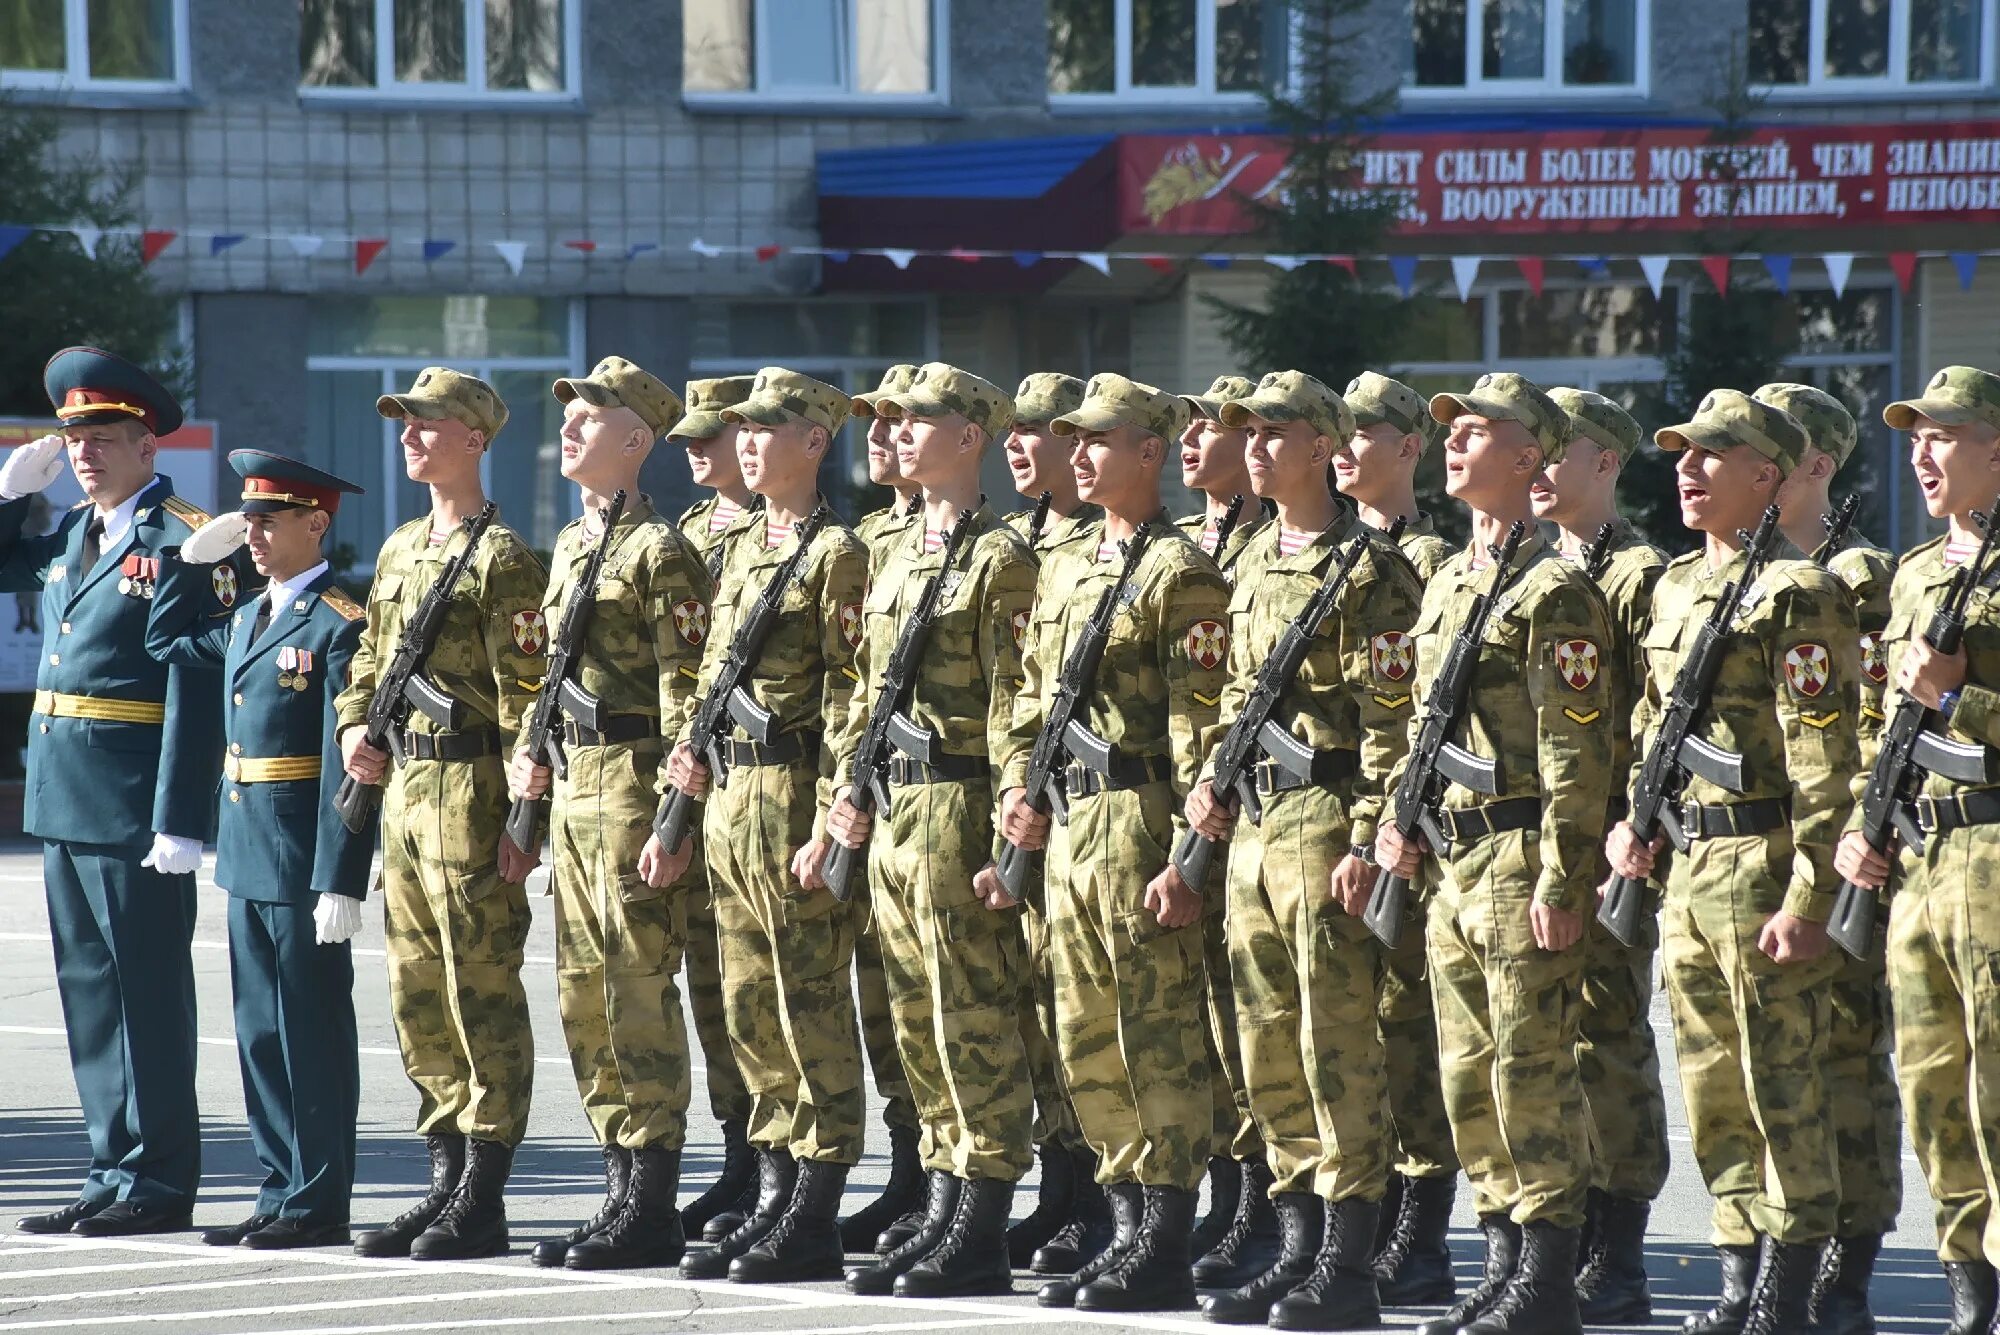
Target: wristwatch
1947	705
1366	852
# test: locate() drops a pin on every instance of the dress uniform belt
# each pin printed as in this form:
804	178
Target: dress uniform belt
57	705
270	769
1329	767
468	745
1126	772
618	728
905	771
1469	824
1942	815
1760	816
789	748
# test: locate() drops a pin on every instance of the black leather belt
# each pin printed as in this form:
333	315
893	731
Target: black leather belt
621	728
1128	772
1328	768
1942	815
468	745
1760	816
1464	825
790	748
906	771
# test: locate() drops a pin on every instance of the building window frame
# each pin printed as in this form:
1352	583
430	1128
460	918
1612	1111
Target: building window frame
75	75
1124	96
843	98
472	89
1895	81
1551	85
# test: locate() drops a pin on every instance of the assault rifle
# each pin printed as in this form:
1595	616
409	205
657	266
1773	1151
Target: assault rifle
404	687
1227	524
1837	525
560	693
1434	758
1040	517
1597	552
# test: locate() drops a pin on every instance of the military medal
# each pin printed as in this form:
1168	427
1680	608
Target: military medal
288	658
128	574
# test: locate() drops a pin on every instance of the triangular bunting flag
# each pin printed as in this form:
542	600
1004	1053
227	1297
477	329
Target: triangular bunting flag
837	256
767	253
1404	267
1597	266
1967	264
1027	259
1097	260
1838	265
304	244
514	253
1655	269
436	250
1903	263
366	249
963	256
1717	267
704	249
12	235
1216	261
218	244
1780	268
582	247
1285	262
1157	263
1464	269
1344	261
1531	269
638	248
87	238
152	242
898	257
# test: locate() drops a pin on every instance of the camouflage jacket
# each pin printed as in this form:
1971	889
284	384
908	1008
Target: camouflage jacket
1425	549
1353	691
1540	705
1248	525
489	656
1785	699
1868	572
877	527
694	526
642	649
1627	581
1056	530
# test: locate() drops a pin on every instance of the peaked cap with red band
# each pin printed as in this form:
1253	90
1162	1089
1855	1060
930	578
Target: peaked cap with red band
272	482
90	387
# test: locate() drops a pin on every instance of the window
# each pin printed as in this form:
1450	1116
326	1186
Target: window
1505	47
1870	45
124	45
432	48
812	49
1166	49
360	348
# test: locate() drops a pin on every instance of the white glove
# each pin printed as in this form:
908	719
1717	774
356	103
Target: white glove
216	539
336	918
31	467
172	855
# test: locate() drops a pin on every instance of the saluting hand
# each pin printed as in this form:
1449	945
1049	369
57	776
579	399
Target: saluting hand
1208	816
1859	863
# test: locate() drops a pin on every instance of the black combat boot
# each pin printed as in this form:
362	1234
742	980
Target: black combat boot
1126	1203
617	1174
1784	1288
1413	1268
903	1193
804	1245
647	1230
738	1176
473	1222
1540	1297
1301	1226
1225	1188
1340	1293
777	1174
970	1260
1611	1288
1503	1252
1250	1246
878	1279
1839	1304
1739	1273
1055	1197
1085	1233
1972	1297
1155	1274
447	1153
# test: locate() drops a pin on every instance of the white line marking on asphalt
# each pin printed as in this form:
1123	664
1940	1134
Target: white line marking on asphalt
286	1309
682	1314
55	1272
199	1285
198	944
49	1031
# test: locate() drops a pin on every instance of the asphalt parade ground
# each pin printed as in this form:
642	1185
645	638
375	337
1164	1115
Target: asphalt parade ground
172	1283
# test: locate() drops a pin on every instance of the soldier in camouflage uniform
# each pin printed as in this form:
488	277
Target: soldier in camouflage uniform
787	946
1508	913
711	449
952	950
1124	927
1942	922
1616	1055
1301	967
1743	935
452	881
1038	458
1860	1082
1375	471
1212	467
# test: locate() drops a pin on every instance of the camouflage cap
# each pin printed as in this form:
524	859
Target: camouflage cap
440	392
1045	396
617	383
1111	401
1955	396
1503	396
1728	418
1598	420
1376	398
705	401
1207	407
778	396
894	381
1293	396
1828	424
941	390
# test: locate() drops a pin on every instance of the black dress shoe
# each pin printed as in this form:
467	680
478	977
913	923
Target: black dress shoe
235	1233
59	1221
283	1233
123	1219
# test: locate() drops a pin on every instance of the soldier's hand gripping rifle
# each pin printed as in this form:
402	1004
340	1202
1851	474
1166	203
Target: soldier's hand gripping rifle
1910	750
889	723
1254	734
1434	758
560	691
1676	753
729	702
1063	733
404	687
1597	553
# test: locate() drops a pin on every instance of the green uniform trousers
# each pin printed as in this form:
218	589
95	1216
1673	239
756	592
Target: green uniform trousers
1035	1015
878	1025
1235	1134
1865	1107
1408	1020
1618	1060
727	1097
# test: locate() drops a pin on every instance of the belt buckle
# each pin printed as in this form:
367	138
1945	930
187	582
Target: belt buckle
1926	811
1264	777
1691	827
1447	820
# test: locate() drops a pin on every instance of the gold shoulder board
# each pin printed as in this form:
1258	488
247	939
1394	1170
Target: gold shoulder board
191	515
342	604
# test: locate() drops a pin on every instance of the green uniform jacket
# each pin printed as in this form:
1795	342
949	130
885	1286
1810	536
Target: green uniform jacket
1627	581
1056	531
1248	526
1867	571
693	525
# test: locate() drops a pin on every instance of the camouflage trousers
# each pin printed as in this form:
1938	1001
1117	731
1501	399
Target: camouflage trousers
1618	1061
455	933
878	1025
953	967
1130	1009
786	961
1303	975
1235	1136
1862	1100
1035	1016
1751	1038
1944	920
1506	1018
727	1097
618	950
1408	1020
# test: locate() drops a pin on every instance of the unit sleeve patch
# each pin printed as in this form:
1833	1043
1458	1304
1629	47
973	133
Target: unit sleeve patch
1808	670
531	632
691	620
1208	643
1393	655
1577	663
